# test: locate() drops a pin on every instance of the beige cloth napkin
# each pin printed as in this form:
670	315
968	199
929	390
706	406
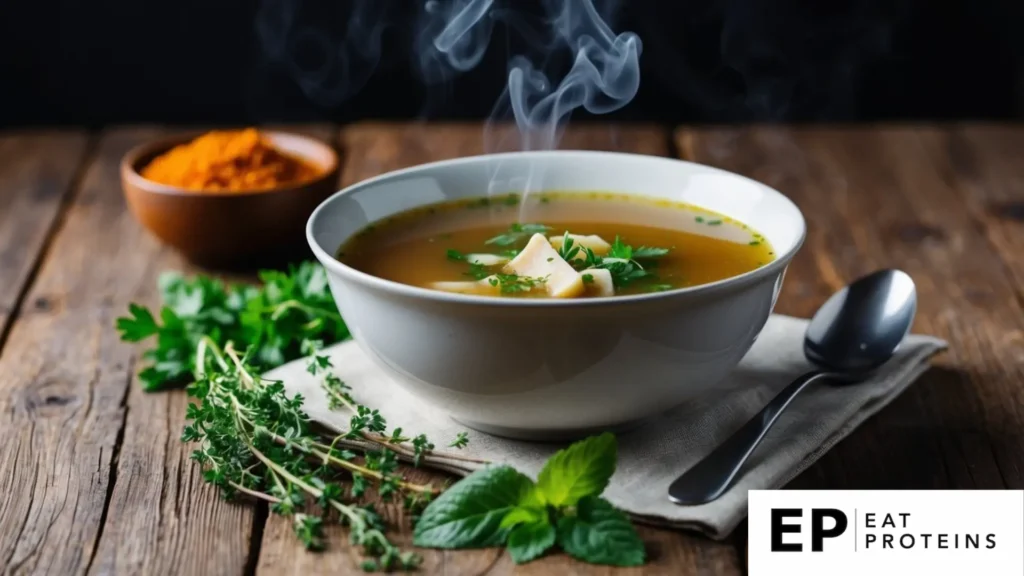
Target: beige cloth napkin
651	456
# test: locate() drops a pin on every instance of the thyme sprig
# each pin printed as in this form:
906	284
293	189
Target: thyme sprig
252	438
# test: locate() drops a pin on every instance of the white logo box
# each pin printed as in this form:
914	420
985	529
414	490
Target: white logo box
899	532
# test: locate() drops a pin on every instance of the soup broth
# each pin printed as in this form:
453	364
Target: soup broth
610	244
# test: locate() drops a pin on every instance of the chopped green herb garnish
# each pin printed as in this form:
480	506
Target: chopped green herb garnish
624	273
477	272
514	283
714	222
588	278
569	250
659	287
621	250
700	218
517	232
755	243
510	254
645	252
461	440
551	259
455	255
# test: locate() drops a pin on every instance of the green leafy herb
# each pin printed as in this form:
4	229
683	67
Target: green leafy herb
516	233
580	470
254	439
700	218
588	278
528	541
569	250
622	262
621	250
659	287
714	222
270	322
498	506
600	534
455	255
469	513
477	271
461	440
645	252
516	284
625	273
626	252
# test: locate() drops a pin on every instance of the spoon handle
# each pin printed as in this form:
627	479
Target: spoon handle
710	477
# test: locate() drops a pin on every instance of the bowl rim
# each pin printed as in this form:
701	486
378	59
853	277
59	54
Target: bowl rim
165	143
334	265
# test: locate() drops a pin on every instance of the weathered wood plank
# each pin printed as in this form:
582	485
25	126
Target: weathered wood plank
376	148
983	162
63	379
36	173
880	198
162	517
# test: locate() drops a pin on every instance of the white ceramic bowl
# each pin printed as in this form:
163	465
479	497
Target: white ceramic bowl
555	369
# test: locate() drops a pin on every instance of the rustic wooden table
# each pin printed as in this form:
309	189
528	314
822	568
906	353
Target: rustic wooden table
93	478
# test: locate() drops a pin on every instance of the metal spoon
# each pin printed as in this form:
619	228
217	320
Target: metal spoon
857	330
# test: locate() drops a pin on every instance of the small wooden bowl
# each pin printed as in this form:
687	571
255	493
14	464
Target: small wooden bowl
231	229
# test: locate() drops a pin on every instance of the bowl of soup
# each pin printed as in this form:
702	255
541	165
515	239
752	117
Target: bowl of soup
548	295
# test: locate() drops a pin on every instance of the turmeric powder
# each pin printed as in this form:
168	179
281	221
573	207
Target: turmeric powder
235	161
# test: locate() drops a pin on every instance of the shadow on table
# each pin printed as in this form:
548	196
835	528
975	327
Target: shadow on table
939	434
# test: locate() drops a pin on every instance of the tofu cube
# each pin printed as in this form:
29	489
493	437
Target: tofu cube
593	241
539	260
479	287
601	285
486	259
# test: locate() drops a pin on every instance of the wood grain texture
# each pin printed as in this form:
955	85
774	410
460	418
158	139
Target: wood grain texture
63	380
162	517
372	149
36	173
891	198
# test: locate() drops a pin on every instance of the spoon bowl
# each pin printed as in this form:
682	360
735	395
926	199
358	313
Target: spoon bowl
861	326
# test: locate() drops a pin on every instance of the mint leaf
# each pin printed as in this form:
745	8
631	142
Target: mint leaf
600	534
524	515
469	513
582	469
528	541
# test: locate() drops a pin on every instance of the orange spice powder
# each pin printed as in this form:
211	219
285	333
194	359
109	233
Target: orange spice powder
234	161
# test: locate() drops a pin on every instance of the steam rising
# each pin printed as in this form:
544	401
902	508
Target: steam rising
604	75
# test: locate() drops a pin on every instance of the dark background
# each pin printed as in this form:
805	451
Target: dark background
227	61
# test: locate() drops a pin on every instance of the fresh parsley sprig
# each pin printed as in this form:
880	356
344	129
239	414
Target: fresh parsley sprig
622	260
271	321
499	506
